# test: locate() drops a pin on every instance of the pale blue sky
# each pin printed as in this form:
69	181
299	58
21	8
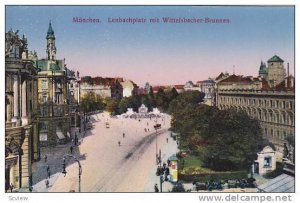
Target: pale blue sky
160	53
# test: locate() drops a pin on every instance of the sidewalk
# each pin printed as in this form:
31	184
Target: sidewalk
167	150
54	160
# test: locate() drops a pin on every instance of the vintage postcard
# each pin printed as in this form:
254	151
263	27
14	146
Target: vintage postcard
150	99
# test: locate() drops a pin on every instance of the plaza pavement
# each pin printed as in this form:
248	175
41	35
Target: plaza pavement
106	166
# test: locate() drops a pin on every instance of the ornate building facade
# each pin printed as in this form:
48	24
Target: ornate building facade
265	98
21	140
208	88
54	118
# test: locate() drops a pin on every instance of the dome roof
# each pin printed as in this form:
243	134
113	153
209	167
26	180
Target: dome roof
263	68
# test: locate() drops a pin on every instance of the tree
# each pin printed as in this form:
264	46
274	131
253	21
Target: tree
112	106
161	99
91	102
223	139
233	139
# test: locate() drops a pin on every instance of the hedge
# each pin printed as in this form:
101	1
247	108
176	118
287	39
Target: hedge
203	177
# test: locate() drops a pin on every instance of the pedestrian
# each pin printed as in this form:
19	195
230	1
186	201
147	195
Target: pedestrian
45	158
48	168
123	135
164	166
119	143
47	183
169	162
49	174
71	149
167	140
11	187
156	188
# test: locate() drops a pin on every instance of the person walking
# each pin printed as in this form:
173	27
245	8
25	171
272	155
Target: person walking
48	171
45	158
47	183
11	187
71	149
156	188
49	174
119	143
167	140
123	135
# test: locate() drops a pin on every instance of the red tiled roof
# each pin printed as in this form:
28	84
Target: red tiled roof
156	88
101	81
284	87
265	84
220	76
179	86
236	79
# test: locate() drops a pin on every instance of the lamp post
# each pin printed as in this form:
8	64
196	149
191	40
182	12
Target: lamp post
79	168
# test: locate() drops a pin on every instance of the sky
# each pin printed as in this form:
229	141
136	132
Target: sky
160	53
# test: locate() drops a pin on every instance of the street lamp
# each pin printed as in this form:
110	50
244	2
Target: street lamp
79	168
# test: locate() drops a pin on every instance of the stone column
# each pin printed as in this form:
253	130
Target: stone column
8	109
26	159
24	104
16	117
12	175
78	93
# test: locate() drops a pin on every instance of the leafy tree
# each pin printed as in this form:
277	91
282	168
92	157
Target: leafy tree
161	99
232	140
91	102
112	106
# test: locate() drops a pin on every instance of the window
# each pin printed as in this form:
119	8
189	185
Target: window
44	111
44	84
45	97
268	162
43	127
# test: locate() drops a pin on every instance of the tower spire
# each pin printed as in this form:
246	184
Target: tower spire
51	49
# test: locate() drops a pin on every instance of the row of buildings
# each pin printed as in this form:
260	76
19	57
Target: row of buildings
41	105
269	97
42	98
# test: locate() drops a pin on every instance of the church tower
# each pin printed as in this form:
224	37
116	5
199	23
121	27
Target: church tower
263	71
276	70
51	49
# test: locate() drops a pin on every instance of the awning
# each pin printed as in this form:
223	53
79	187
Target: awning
282	183
60	135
